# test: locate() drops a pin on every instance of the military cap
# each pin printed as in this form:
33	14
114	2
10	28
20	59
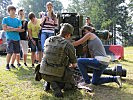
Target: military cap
67	28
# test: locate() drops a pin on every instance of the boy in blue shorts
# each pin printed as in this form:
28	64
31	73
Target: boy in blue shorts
12	26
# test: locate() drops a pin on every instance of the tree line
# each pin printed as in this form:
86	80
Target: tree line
112	15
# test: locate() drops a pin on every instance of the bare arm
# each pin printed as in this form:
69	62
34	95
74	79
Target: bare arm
74	65
24	27
11	29
82	40
42	20
7	28
18	29
30	36
21	30
30	33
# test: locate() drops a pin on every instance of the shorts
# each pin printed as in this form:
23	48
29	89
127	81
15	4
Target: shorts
13	47
24	46
36	47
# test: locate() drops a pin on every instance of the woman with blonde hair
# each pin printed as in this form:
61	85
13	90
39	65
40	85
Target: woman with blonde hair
48	23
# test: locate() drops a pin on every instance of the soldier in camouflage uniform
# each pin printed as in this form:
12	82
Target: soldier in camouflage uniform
59	57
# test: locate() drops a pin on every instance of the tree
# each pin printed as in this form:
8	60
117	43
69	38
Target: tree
3	9
130	24
57	5
37	6
3	6
92	8
122	21
105	14
130	5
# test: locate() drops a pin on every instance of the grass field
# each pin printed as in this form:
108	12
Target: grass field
20	84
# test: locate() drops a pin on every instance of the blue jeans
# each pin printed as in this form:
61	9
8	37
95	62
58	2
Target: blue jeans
44	36
84	63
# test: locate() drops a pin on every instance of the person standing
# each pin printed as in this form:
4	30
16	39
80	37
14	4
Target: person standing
88	22
33	30
86	52
23	37
12	26
48	23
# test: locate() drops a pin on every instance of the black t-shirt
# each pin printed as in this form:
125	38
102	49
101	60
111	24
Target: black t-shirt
23	35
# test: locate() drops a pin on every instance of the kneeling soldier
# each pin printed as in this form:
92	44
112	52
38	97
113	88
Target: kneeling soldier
59	56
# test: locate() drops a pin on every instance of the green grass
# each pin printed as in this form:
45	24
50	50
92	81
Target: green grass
20	84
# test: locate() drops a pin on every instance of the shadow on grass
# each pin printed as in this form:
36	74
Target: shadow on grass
68	95
2	54
128	81
110	93
24	72
127	61
27	74
102	92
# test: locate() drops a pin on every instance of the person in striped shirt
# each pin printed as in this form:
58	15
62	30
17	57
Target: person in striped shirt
48	23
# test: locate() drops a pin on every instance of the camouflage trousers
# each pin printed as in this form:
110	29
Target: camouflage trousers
66	82
67	77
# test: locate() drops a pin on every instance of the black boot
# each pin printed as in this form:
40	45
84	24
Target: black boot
46	86
56	89
69	86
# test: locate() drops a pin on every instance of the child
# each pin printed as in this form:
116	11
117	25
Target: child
23	37
33	31
12	26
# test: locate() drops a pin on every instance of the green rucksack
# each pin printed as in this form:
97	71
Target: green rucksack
55	60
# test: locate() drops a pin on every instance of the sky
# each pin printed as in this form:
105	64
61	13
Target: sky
64	2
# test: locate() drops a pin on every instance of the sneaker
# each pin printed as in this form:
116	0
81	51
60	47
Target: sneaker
36	61
46	86
12	66
59	94
56	89
7	67
32	65
21	58
86	86
69	86
25	64
118	81
19	65
82	84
